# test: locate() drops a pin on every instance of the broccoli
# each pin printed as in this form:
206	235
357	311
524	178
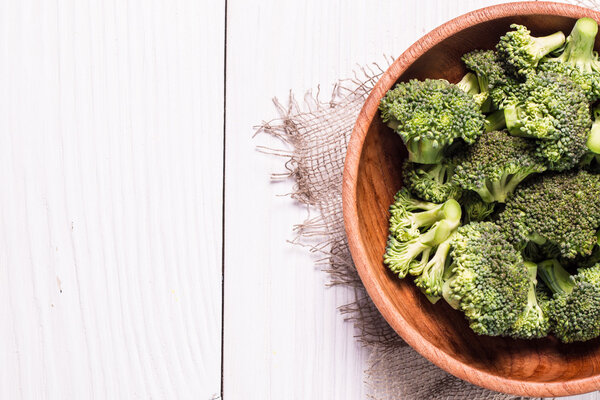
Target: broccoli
534	321
552	108
492	76
522	52
495	165
429	115
578	61
488	280
431	182
592	157
575	305
475	209
417	229
561	209
470	85
494	122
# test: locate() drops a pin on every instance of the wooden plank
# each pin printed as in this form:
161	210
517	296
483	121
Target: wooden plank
284	337
110	212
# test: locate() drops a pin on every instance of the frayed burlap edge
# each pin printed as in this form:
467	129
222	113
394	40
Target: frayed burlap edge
316	134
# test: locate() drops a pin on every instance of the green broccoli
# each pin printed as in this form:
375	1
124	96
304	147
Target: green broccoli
488	280
475	209
522	52
533	322
492	76
552	108
559	209
592	158
575	305
578	61
470	85
429	115
495	165
494	121
431	182
417	231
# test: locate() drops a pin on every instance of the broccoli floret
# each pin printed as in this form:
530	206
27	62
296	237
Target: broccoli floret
492	76
494	122
489	281
575	305
534	321
522	52
475	209
552	108
417	229
562	209
578	61
470	85
495	165
429	115
431	182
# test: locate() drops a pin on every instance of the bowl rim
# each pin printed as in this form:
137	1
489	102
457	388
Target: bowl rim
350	208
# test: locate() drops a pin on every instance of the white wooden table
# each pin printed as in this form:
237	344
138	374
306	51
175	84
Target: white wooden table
143	247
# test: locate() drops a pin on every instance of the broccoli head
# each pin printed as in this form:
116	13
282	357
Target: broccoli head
534	321
553	109
418	231
495	165
522	52
558	209
492	75
429	115
575	305
431	182
578	60
488	279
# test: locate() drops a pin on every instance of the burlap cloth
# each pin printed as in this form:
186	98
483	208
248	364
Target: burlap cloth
316	134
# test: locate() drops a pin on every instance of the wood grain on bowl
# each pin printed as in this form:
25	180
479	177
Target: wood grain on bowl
543	367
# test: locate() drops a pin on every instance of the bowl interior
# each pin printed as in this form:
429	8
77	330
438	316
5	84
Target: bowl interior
378	179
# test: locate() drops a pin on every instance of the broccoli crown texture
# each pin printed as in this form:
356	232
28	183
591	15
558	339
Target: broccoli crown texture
489	281
429	115
552	108
416	244
578	60
534	321
522	52
431	182
575	305
496	164
562	209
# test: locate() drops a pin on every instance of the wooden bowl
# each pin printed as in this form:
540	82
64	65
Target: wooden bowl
543	367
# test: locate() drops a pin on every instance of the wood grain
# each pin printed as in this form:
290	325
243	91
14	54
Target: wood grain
110	212
543	367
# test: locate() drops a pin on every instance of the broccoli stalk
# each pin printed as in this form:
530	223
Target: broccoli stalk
494	122
556	277
430	278
522	52
470	85
579	49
